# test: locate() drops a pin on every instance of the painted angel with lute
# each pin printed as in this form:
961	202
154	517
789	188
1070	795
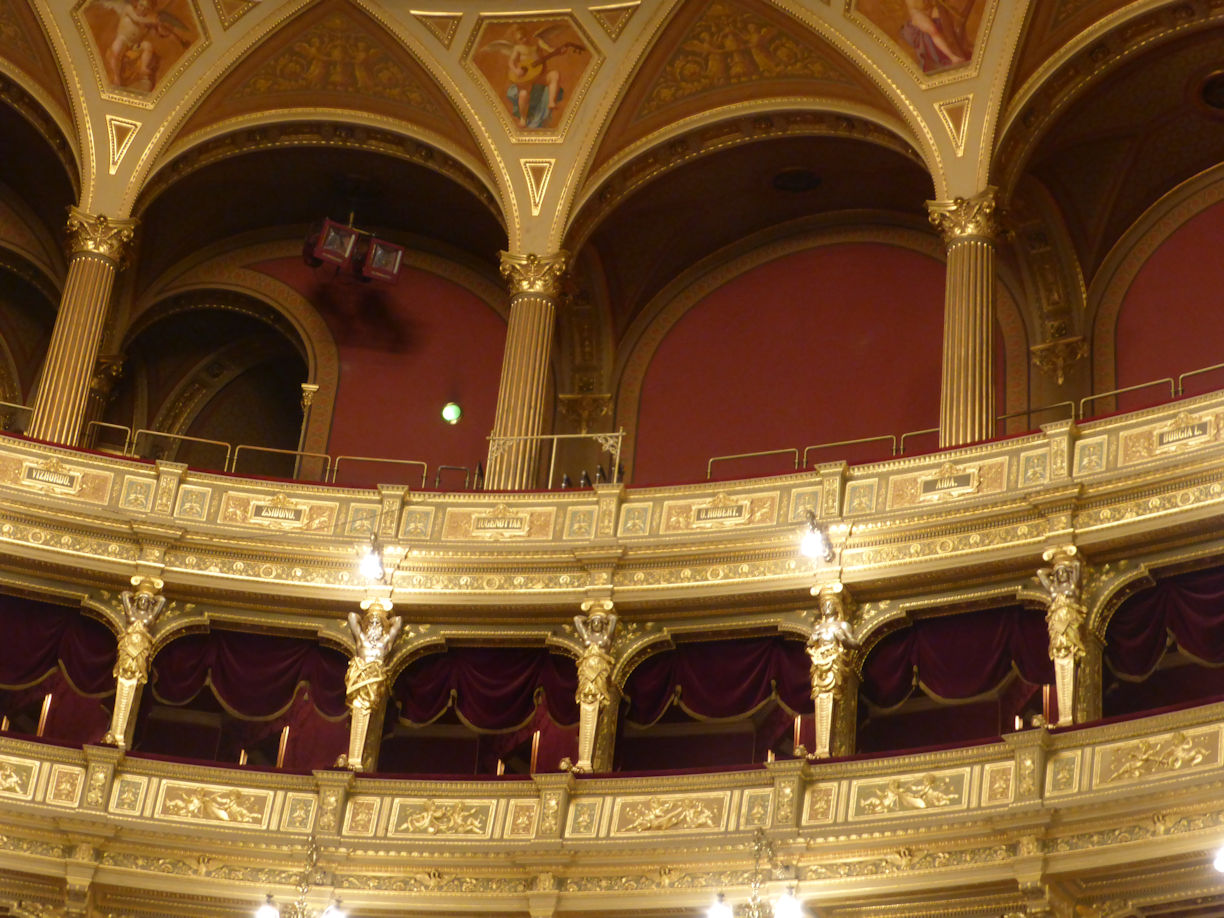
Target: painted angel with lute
132	60
535	88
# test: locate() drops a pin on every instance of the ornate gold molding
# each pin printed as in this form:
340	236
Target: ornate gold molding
1054	357
963	218
534	275
98	234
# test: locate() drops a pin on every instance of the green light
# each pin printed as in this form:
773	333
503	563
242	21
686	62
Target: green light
451	413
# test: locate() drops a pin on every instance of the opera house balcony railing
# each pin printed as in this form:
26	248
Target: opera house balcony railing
913	540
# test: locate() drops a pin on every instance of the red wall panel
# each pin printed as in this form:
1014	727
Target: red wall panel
406	349
832	343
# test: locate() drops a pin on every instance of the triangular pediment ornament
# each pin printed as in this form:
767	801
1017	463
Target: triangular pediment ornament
230	11
731	44
614	17
120	133
954	113
442	25
337	55
537	173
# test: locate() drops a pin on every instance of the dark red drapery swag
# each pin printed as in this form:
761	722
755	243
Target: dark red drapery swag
254	675
718	679
958	656
40	637
1190	607
492	689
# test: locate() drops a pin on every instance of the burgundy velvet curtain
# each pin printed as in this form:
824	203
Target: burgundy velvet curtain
255	676
40	637
1190	607
718	679
491	689
958	656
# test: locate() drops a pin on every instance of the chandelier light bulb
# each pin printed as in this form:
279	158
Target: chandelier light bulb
451	413
334	911
268	909
788	907
813	544
1218	863
720	908
371	564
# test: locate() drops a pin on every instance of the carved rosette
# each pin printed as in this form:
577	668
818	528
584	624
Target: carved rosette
98	234
534	275
967	218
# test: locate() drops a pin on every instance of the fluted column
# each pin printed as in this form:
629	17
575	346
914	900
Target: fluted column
534	282
967	399
97	245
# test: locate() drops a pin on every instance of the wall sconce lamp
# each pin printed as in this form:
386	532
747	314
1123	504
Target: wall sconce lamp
815	542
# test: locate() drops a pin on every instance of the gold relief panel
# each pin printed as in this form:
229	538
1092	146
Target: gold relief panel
192	503
861	496
1184	433
65	785
672	813
820	805
499	523
803	500
1090	455
999	783
362	519
635	520
427	818
521	818
137	493
299	812
584	818
721	512
128	794
229	806
416	523
17	778
905	795
361	816
1120	764
279	512
1034	468
580	523
50	476
948	482
754	809
1062	774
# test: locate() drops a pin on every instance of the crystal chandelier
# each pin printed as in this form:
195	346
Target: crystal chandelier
758	905
298	908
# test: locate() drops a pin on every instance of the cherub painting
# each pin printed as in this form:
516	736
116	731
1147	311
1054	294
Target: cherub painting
938	33
139	40
530	64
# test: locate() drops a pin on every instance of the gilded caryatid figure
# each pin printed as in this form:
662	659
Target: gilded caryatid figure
141	610
1065	616
365	682
830	649
594	672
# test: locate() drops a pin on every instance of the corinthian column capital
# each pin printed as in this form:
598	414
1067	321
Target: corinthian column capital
98	234
963	218
536	275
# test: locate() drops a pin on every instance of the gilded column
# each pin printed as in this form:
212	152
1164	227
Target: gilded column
967	400
594	675
534	282
834	680
1065	615
365	682
135	651
97	246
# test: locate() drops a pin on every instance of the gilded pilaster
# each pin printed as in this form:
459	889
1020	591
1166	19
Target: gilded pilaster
970	230
834	680
97	247
1065	616
135	651
593	695
534	282
365	682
